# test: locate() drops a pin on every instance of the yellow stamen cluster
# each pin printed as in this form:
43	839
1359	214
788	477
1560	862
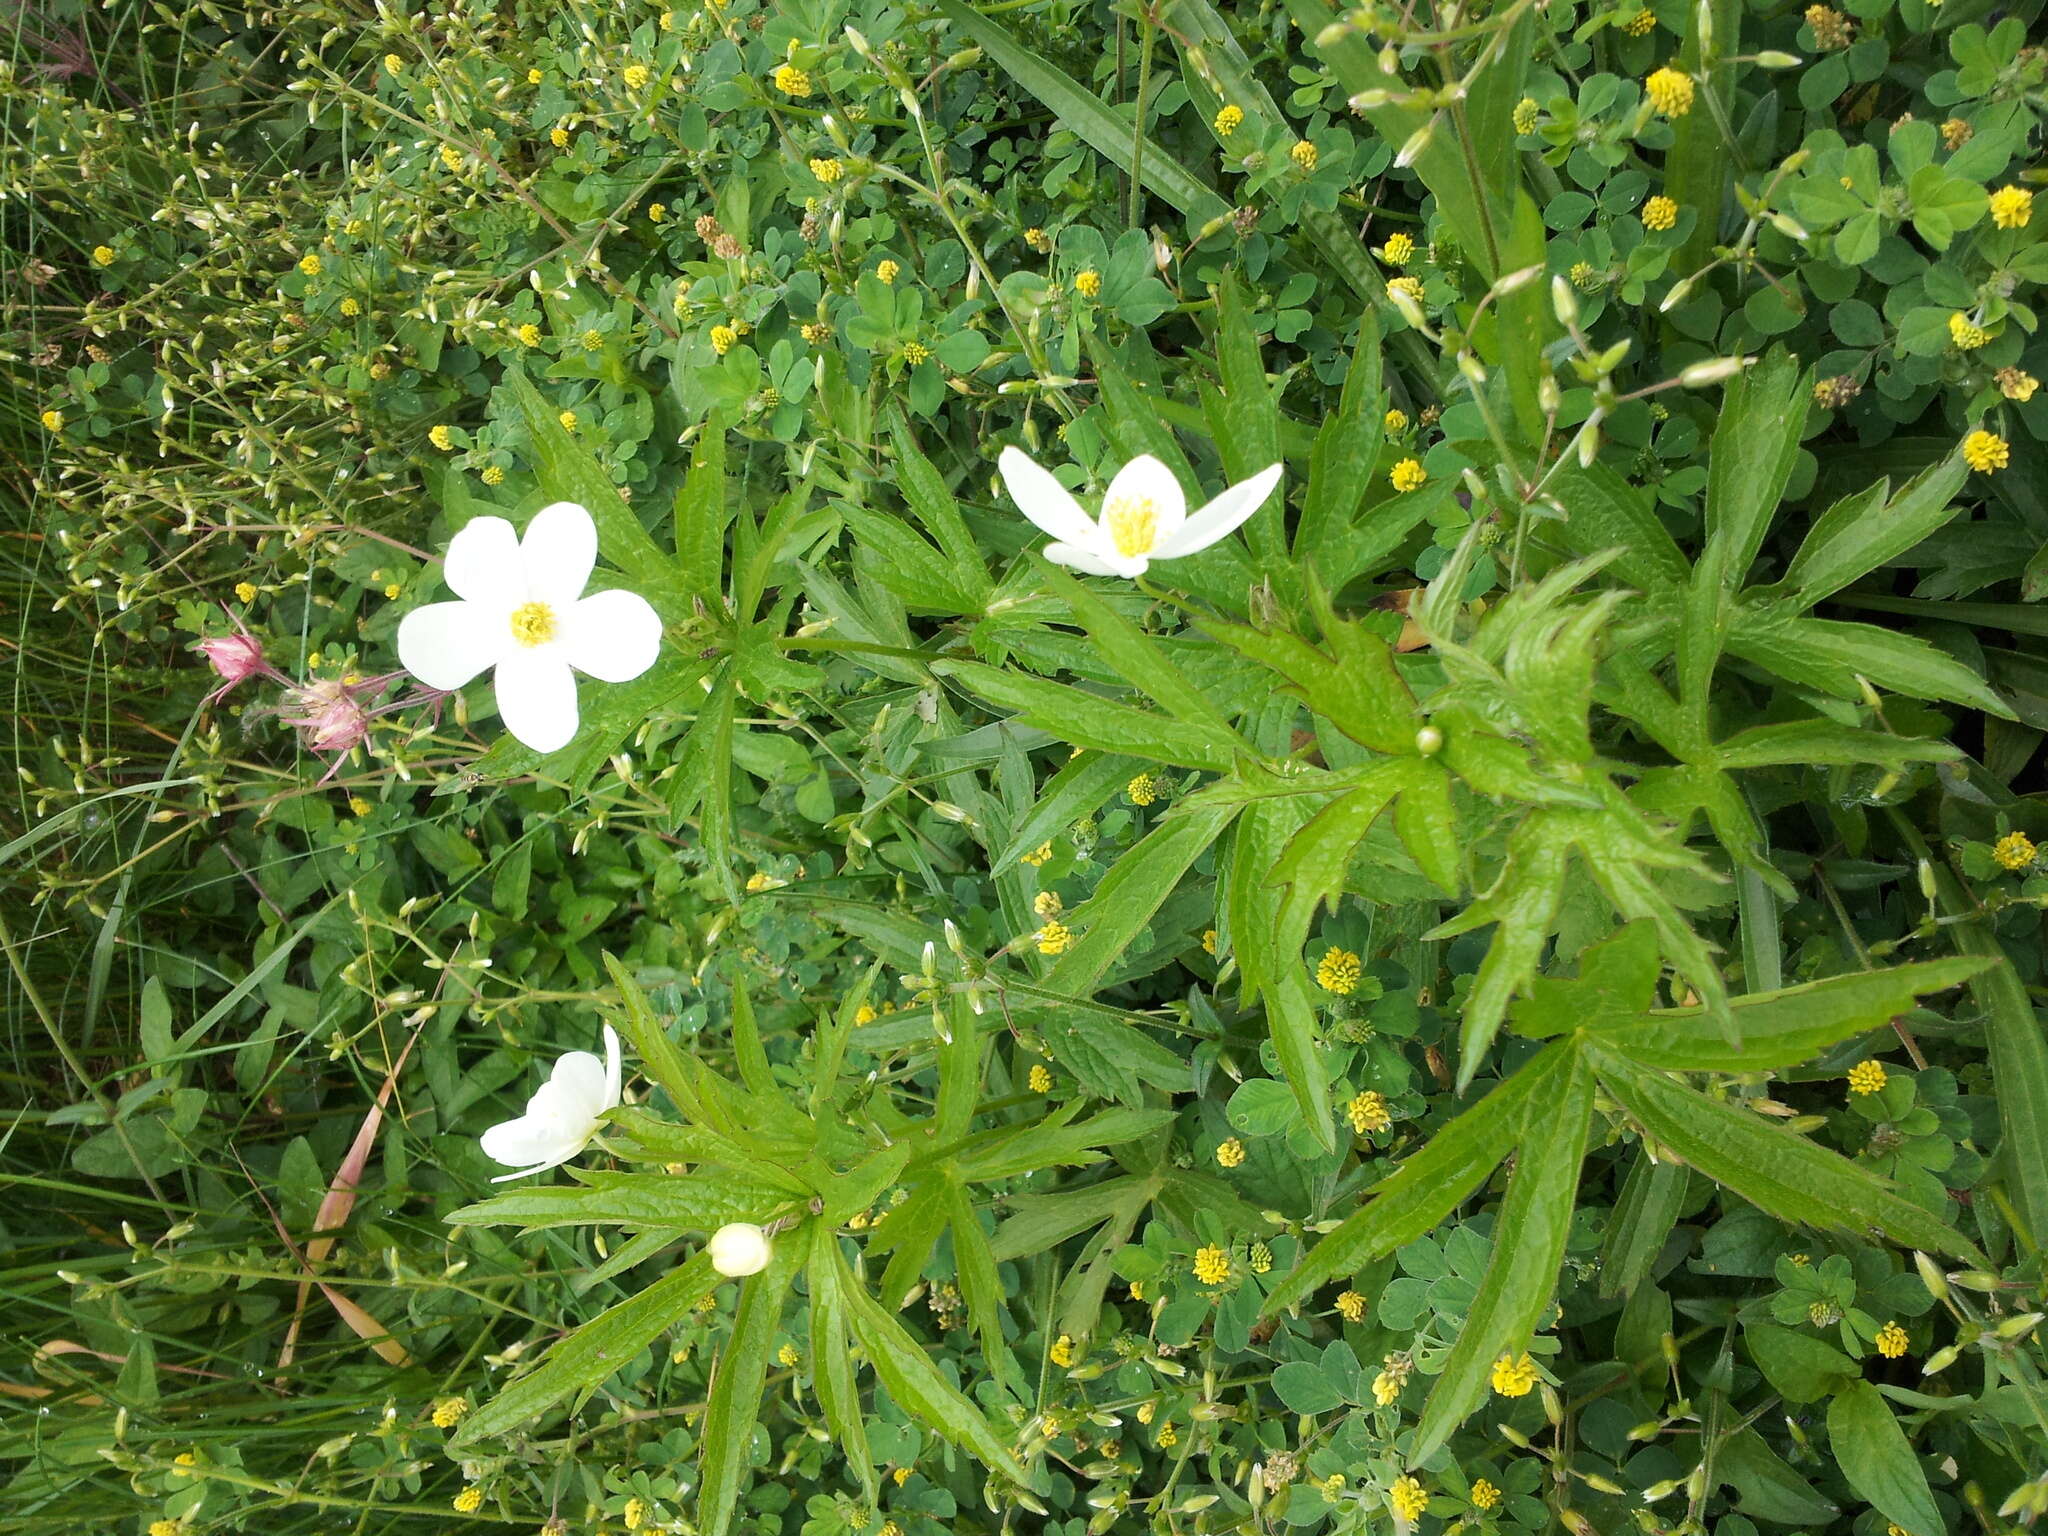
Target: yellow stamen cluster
1867	1077
1133	525
1145	787
528	334
915	352
533	624
1040	1079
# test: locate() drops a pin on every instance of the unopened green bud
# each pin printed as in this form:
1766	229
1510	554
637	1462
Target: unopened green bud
1712	371
1416	143
1472	368
1370	101
1975	1280
1680	292
1788	226
1771	58
1429	741
1564	300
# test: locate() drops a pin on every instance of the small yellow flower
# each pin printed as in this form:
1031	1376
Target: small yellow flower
915	352
825	170
1208	941
1966	333
1338	971
792	81
635	1513
1146	1411
351	308
1585	277
1055	938
1048	904
656	212
438	436
1484	1494
1230	1154
865	1014
568	421
667	23
1038	855
451	157
2016	384
559	137
1411	286
1867	1077
1168	1436
1660	213
245	591
902	1476
1351	1306
1399	250
636	76
1040	1079
1514	1377
1525	115
1212	1265
1138	1294
593	341
1831	29
1407	1500
103	255
391	590
533	77
164	1528
1228	121
2011	207
1303	154
1986	451
1892	1341
1396	422
1409	475
393	63
469	1501
1038	240
1062	1352
1670	91
1333	1485
1640	23
722	338
761	880
528	334
787	1356
493	475
887	270
1143	789
1088	284
1955	133
1367	1112
2014	851
53	420
310	264
449	1411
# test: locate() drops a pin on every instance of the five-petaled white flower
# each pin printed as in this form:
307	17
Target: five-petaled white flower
562	1115
522	611
1144	514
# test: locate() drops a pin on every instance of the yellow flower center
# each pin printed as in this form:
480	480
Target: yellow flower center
533	624
1133	523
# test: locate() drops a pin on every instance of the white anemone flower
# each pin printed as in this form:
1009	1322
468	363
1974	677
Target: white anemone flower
1144	514
561	1117
523	612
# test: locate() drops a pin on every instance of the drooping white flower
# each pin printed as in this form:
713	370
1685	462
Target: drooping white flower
1144	514
562	1115
523	612
739	1248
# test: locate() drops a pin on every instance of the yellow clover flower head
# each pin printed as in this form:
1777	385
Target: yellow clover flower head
2014	851
722	339
1966	333
1230	1154
1303	154
1351	1306
887	271
1892	1341
1408	475
792	81
1670	91
1986	451
1212	1265
1399	250
1867	1077
1040	1079
2011	207
1338	971
1514	1377
1367	1112
103	255
1660	213
1228	121
310	264
1407	1500
1088	284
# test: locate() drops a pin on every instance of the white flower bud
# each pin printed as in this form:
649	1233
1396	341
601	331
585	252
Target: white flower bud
739	1248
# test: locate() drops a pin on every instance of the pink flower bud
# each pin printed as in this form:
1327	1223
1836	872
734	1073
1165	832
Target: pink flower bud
234	658
328	716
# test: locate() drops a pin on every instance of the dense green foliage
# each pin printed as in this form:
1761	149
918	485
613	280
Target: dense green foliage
1499	995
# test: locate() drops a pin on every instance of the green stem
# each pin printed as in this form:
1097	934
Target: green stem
1145	40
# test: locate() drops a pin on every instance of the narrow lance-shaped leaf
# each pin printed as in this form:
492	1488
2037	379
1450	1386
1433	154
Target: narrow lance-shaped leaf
1431	1184
832	1371
737	1381
1089	720
1528	1247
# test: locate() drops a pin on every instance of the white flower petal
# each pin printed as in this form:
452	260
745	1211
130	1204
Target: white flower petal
1044	500
1145	479
540	1167
614	636
444	645
516	1143
1075	558
482	563
537	697
1221	516
614	1087
579	1078
558	550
